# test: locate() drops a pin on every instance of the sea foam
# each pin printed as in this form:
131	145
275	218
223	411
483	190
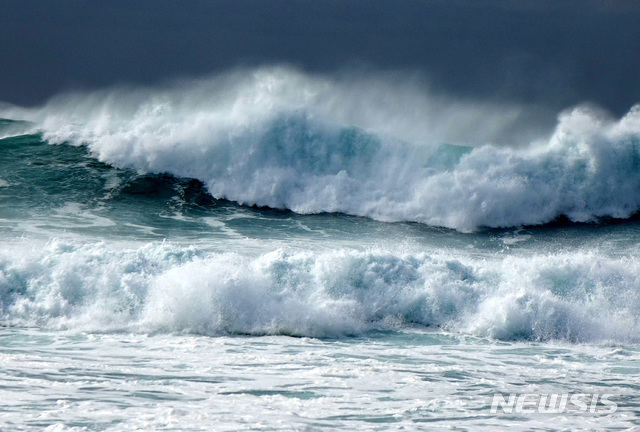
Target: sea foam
101	287
367	146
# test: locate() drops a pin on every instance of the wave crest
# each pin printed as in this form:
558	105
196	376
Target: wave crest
369	146
578	297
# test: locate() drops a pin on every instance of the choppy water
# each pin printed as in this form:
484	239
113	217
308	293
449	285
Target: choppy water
144	286
413	379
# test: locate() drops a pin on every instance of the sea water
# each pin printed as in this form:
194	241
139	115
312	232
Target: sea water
270	250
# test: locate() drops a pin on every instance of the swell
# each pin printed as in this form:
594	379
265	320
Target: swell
368	146
37	179
575	297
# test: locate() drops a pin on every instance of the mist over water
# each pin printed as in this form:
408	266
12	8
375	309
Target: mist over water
250	240
343	214
368	146
402	105
372	146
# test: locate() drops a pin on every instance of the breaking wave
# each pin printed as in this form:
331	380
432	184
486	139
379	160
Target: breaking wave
370	146
573	297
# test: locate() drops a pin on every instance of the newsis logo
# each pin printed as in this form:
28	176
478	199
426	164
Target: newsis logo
555	403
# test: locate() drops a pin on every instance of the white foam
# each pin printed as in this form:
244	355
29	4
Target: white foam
280	138
163	288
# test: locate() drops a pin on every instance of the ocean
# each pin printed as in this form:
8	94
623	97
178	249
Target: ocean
271	250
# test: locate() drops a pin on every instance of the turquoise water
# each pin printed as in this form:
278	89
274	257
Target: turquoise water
137	301
170	262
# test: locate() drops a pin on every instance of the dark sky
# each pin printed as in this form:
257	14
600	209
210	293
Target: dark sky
554	52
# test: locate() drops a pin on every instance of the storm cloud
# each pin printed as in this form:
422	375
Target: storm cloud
551	53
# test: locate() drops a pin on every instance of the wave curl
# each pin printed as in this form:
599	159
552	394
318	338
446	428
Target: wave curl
365	146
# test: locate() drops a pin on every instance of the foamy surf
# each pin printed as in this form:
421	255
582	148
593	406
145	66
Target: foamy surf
427	220
574	297
388	151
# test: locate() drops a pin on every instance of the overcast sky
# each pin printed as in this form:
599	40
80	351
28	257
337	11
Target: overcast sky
554	52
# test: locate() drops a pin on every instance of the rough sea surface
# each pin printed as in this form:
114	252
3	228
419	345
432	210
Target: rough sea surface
276	251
